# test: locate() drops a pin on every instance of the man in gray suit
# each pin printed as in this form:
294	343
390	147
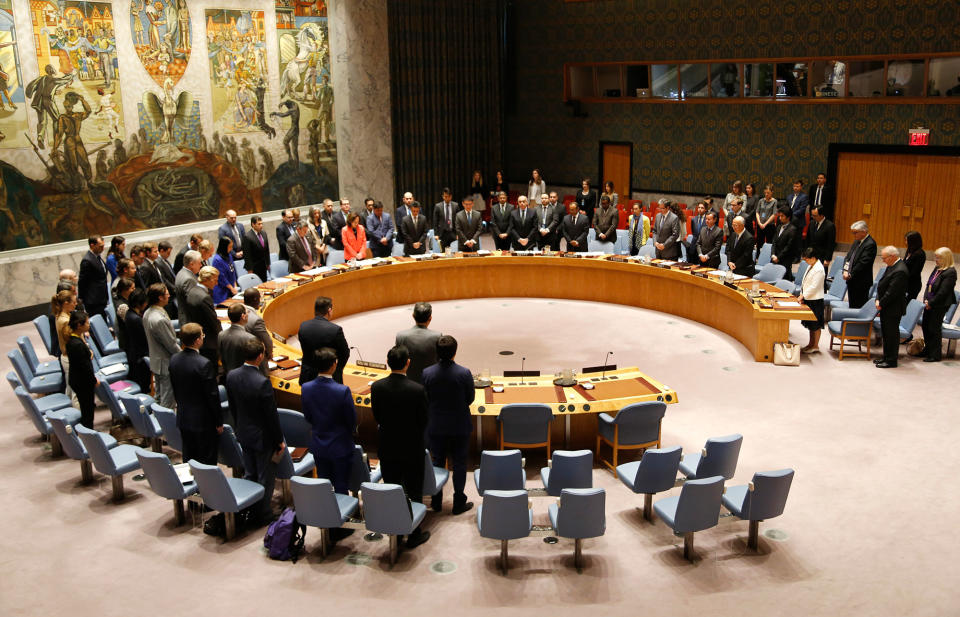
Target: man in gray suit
709	242
468	226
547	224
605	219
232	341
667	235
256	326
186	280
161	341
420	341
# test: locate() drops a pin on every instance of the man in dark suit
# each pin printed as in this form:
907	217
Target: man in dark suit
284	230
336	221
666	236
256	249
400	408
402	212
858	265
320	332
821	236
500	218
784	241
419	341
443	216
709	241
605	220
256	326
891	303
740	249
450	392
231	342
200	309
300	250
167	276
199	417
328	407
697	222
233	229
148	269
523	227
414	227
92	285
576	226
380	231
192	245
798	202
468	225
821	195
251	400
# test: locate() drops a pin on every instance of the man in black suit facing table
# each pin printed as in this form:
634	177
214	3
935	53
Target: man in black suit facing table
740	249
256	249
414	227
319	332
199	417
576	226
891	302
92	285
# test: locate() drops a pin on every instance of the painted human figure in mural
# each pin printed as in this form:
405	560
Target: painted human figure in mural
42	90
313	127
108	110
135	8
183	17
245	114
104	46
293	133
68	134
4	79
325	114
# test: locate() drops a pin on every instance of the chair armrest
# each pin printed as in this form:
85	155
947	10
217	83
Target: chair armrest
605	417
703	452
558	502
750	486
530	504
549	463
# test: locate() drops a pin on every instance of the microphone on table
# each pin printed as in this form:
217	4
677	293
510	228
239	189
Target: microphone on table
359	355
607	357
522	360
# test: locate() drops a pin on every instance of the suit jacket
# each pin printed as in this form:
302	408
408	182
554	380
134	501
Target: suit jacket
576	230
709	242
859	261
699	222
822	239
226	230
80	376
300	260
414	232
149	273
284	231
136	337
798	206
161	339
500	223
186	280
257	327
605	222
826	197
400	407
941	290
328	407
552	221
92	286
194	380
468	230
377	230
315	334
442	231
421	342
523	227
199	309
892	291
728	221
740	252
178	260
354	244
256	258
450	392
252	403
230	345
399	214
335	224
784	243
668	234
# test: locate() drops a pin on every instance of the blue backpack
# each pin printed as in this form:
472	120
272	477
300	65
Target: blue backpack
285	537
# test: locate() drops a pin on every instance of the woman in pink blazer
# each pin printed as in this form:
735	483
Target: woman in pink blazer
354	238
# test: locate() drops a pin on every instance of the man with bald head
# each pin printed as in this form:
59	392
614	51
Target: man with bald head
740	248
233	230
891	302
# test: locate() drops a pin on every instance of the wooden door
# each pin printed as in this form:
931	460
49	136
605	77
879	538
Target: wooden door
615	165
874	188
935	209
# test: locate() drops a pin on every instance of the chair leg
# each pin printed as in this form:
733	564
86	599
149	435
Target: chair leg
324	542
230	525
117	487
688	546
86	471
578	553
503	556
178	514
394	548
157	445
56	448
753	536
286	497
648	506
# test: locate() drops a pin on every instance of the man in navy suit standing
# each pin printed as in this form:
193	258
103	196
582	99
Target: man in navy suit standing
92	284
798	201
450	392
233	230
328	407
320	332
380	229
199	417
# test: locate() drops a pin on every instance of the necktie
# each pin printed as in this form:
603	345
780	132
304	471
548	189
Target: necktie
236	238
735	239
260	238
447	208
819	191
306	247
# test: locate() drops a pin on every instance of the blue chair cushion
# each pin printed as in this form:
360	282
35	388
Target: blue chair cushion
125	458
440	477
628	473
734	497
666	508
480	517
45	368
46	384
246	492
347	505
689	464
419	511
52	402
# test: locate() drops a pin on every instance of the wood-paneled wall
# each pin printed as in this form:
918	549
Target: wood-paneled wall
895	193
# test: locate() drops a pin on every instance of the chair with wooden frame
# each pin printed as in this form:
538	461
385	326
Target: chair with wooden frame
525	425
852	326
635	427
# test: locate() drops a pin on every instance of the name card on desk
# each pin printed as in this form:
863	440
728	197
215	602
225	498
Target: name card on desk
330	273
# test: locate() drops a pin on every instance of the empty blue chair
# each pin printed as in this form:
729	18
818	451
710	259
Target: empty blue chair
718	458
247	281
318	506
112	359
636	426
654	473
279	268
908	321
695	509
525	425
142	420
396	251
108	396
434	478
852	326
71	444
50	402
951	336
568	469
836	269
579	515
110	314
797	278
111	373
770	273
287	468
647	250
334	257
30	354
164	481
766	252
764	498
785	285
835	292
167	419
361	472
229	452
387	511
238	264
100	332
295	428
40	421
32	383
504	516
223	494
113	462
500	470
14	381
42	323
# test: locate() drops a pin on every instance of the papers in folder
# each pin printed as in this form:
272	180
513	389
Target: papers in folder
316	271
183	473
788	304
112	369
221	313
736	277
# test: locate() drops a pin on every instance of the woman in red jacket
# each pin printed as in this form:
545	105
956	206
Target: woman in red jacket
354	238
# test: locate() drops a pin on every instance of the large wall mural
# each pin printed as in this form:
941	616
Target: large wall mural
228	134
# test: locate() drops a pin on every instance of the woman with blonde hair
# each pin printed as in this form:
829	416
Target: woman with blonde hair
61	305
319	230
937	297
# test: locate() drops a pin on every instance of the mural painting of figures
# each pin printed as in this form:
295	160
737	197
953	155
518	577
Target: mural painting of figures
238	71
76	53
13	107
161	37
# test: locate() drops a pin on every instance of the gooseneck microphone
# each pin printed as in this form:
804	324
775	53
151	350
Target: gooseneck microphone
359	355
607	357
522	361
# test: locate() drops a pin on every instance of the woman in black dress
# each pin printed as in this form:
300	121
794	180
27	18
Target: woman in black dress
81	378
937	297
915	258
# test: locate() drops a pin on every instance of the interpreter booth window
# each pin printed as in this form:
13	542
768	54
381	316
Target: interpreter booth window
581	82
664	77
608	81
758	79
944	77
905	78
694	80
866	78
638	80
725	80
829	79
792	79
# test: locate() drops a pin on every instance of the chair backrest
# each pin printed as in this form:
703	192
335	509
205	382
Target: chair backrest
658	469
429	475
785	285
97	449
838	288
238	264
315	502
505	515
213	487
948	316
766	252
876	281
248	280
570	469
29	353
32	411
801	270
501	470
72	446
769	495
229	452
770	273
385	508
24	372
161	475
167	419
13	380
42	323
912	315
647	250
699	504
100	332
279	268
110	313
334	257
721	457
525	423
581	513
836	268
131	406
359	470
295	428
106	394
640	422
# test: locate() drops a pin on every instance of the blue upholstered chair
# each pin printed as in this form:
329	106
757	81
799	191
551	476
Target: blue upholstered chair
164	481
836	269
40	421
434	478
852	326
167	419
33	383
500	470
279	268
695	509
951	336
579	515
908	321
762	499
287	468
504	516
111	372
223	494
229	452
295	428
636	426
785	285
102	337
318	506
770	273
387	511
568	469
30	354
71	444
334	257
836	292
50	402
247	281
798	278
111	398
654	473
766	252
113	462
361	472
718	458
238	264
525	425
647	250
42	324
142	420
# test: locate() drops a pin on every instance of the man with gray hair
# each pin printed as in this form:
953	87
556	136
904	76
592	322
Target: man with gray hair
666	236
300	250
200	309
186	280
858	265
891	302
67	281
420	341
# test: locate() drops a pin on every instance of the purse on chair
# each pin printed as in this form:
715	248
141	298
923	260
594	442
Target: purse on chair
786	354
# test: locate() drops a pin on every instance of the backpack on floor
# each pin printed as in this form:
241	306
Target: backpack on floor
285	537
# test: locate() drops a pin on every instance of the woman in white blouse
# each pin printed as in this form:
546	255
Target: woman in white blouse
811	294
535	187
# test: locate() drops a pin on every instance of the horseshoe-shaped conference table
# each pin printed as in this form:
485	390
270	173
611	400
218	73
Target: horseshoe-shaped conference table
612	279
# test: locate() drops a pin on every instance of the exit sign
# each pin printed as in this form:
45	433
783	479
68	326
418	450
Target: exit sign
919	137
